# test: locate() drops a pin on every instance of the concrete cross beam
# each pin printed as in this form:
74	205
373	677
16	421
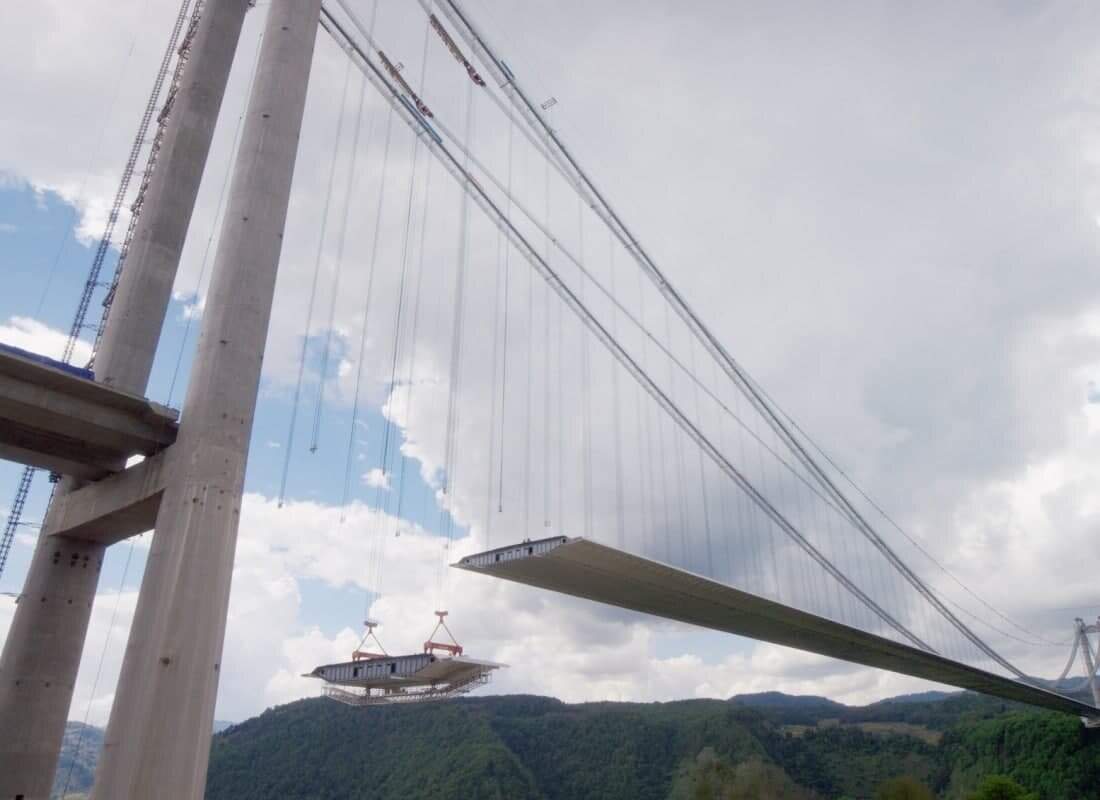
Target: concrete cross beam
114	508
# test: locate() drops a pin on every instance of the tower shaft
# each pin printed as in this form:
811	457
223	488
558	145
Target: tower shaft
42	651
158	739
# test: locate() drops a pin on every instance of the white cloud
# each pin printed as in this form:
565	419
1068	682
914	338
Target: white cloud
552	644
921	257
37	337
7	227
376	479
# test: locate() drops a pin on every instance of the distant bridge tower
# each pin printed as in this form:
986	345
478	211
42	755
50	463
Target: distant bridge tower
1090	658
158	739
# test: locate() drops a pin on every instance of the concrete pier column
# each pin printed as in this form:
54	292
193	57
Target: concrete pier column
158	739
43	647
133	330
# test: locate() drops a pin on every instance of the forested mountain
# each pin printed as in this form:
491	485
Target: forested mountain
773	746
520	747
79	751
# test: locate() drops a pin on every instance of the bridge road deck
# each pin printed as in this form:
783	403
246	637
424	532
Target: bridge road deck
585	569
56	417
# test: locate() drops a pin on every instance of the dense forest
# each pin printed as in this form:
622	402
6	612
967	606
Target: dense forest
760	746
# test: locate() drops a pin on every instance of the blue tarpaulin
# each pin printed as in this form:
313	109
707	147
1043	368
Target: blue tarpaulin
49	362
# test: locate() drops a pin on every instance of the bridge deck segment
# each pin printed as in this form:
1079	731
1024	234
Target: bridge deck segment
57	418
592	571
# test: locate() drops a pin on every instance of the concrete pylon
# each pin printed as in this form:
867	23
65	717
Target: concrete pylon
44	644
158	739
1089	662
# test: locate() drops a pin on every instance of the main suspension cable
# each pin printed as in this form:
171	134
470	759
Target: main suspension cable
506	80
478	194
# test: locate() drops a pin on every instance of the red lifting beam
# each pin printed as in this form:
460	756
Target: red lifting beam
455	649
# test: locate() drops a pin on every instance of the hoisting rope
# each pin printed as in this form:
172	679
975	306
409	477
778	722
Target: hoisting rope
289	449
593	324
493	413
504	345
400	489
359	653
586	388
616	423
430	646
342	236
450	468
546	365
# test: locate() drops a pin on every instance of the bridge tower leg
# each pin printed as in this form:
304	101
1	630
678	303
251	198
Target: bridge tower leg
42	651
1083	632
158	739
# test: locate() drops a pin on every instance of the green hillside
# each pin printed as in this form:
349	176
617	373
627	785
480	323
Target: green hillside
533	747
769	746
76	767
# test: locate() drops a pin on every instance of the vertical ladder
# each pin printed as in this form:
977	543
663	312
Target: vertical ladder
14	515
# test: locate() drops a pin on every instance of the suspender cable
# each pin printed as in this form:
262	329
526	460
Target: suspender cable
527	397
372	270
400	301
413	336
491	209
546	421
504	345
543	227
415	326
490	475
586	391
616	423
733	369
703	478
289	451
559	352
678	444
362	355
458	322
342	237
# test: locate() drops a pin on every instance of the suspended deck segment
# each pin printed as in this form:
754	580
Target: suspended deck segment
56	417
402	679
594	571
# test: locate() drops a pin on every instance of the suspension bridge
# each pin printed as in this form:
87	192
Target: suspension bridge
626	456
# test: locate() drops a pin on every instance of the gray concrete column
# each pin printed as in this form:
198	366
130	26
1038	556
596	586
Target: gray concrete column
42	651
158	739
133	330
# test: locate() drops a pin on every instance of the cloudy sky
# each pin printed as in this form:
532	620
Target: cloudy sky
889	216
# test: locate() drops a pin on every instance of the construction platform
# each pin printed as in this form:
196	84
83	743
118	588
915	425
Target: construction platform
56	417
592	571
402	679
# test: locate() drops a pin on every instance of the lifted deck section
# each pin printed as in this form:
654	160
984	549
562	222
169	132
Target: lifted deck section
594	571
402	679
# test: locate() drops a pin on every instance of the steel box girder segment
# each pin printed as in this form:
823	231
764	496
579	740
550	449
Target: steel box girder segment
56	420
592	571
396	672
